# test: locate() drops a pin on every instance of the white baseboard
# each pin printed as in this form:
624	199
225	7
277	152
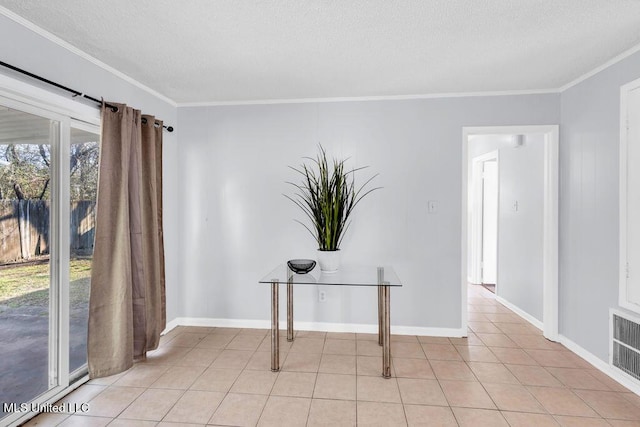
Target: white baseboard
429	332
598	363
171	325
517	310
313	326
601	365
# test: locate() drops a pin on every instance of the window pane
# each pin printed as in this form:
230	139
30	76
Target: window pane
25	202
83	163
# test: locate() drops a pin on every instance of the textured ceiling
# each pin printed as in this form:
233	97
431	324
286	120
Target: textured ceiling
236	50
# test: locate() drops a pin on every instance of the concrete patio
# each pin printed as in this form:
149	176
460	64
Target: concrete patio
24	334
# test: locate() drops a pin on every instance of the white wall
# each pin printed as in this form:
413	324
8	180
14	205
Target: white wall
589	150
25	49
233	168
519	232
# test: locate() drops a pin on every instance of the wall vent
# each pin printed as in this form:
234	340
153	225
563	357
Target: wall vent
625	346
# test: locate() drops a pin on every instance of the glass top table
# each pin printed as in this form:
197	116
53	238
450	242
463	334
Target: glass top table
382	277
349	275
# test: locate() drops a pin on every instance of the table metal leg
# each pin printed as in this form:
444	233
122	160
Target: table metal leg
289	312
380	315
380	304
386	334
275	328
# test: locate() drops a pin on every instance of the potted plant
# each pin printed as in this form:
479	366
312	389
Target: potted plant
327	196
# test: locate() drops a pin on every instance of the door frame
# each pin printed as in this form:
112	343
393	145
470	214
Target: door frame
623	268
68	113
550	218
476	219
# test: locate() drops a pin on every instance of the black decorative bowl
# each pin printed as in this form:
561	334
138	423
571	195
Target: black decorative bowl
301	266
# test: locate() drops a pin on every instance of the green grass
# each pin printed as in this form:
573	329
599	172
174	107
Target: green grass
22	285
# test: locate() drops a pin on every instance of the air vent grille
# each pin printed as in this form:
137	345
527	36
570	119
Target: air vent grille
626	331
627	360
626	345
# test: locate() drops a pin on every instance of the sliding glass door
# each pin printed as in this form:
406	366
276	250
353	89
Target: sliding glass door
48	186
26	143
83	189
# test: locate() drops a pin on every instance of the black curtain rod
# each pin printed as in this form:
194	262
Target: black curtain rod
73	91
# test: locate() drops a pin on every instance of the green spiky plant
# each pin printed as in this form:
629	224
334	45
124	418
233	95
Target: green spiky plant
328	196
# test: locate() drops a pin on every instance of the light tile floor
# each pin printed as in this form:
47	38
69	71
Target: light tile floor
504	374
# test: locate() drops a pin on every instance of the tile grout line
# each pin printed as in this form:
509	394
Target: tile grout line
193	382
554	416
532	395
522	385
395	377
234	381
324	343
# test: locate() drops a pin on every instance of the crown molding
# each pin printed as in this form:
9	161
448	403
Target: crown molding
368	98
57	40
624	55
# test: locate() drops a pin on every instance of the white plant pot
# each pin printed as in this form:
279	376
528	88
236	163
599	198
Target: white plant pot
329	261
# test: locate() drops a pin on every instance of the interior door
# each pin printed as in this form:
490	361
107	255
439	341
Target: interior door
489	221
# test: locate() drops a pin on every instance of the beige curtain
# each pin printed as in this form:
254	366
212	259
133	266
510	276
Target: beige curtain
127	302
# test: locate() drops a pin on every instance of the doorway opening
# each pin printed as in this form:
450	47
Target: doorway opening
484	192
483	218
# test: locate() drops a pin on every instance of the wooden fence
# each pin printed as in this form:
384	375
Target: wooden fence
83	227
24	229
